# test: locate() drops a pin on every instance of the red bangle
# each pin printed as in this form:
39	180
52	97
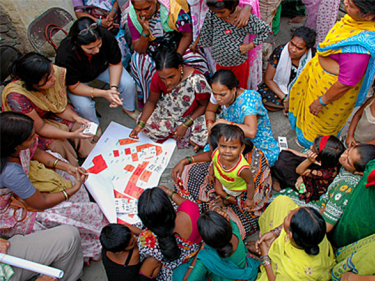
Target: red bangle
231	123
208	121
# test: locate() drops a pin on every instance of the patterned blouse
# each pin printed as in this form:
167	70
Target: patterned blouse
225	39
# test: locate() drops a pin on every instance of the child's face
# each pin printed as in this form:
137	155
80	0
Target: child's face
230	149
221	13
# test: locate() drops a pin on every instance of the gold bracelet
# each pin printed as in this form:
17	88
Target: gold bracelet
192	159
66	195
92	92
55	163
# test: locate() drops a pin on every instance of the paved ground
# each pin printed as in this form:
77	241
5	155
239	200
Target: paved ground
279	123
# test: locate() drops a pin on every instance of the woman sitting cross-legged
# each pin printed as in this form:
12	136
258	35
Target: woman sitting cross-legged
64	199
223	256
176	105
284	66
42	96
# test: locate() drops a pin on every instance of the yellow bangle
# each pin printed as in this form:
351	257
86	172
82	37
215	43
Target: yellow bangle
66	195
55	163
92	92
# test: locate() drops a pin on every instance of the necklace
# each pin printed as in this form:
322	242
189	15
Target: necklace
231	166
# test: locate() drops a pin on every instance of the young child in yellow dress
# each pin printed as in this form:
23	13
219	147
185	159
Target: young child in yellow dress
232	172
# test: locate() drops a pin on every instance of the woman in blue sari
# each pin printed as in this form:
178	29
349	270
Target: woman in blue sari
243	108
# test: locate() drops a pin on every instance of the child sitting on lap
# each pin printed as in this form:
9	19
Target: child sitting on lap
232	172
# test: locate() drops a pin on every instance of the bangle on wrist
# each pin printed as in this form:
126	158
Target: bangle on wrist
99	21
171	195
284	98
188	122
145	35
226	197
321	101
114	86
189	159
66	195
92	92
55	163
115	10
141	124
214	207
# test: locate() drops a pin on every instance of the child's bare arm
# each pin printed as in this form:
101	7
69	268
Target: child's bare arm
220	191
211	174
248	177
311	158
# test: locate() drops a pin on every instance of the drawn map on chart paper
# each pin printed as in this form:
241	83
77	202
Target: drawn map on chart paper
129	165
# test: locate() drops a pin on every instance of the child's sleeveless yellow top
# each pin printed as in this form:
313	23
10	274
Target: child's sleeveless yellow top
230	178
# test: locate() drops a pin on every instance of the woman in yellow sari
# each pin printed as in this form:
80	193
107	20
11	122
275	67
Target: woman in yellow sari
294	245
39	91
337	78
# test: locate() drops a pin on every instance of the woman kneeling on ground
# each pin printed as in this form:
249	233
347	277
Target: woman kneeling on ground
64	199
42	96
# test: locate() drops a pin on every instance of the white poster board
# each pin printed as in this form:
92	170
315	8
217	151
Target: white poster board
122	167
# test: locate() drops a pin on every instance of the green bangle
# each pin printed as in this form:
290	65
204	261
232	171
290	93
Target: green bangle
145	35
189	159
226	197
141	124
171	195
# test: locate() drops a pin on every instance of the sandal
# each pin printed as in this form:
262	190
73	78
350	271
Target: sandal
133	115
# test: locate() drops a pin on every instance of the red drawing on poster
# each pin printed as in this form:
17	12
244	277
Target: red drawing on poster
145	176
120	195
144	164
133	190
133	179
128	151
135	157
129	168
127	141
159	150
116	153
138	171
99	165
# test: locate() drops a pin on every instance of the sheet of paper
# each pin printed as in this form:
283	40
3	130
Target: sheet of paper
128	166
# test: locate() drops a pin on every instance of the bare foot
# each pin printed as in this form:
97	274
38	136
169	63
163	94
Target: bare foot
195	146
297	19
276	186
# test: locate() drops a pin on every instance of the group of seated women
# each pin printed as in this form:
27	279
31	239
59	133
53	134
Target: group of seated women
318	224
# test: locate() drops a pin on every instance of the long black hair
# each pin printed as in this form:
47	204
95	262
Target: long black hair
308	229
91	36
15	129
157	214
31	68
216	231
